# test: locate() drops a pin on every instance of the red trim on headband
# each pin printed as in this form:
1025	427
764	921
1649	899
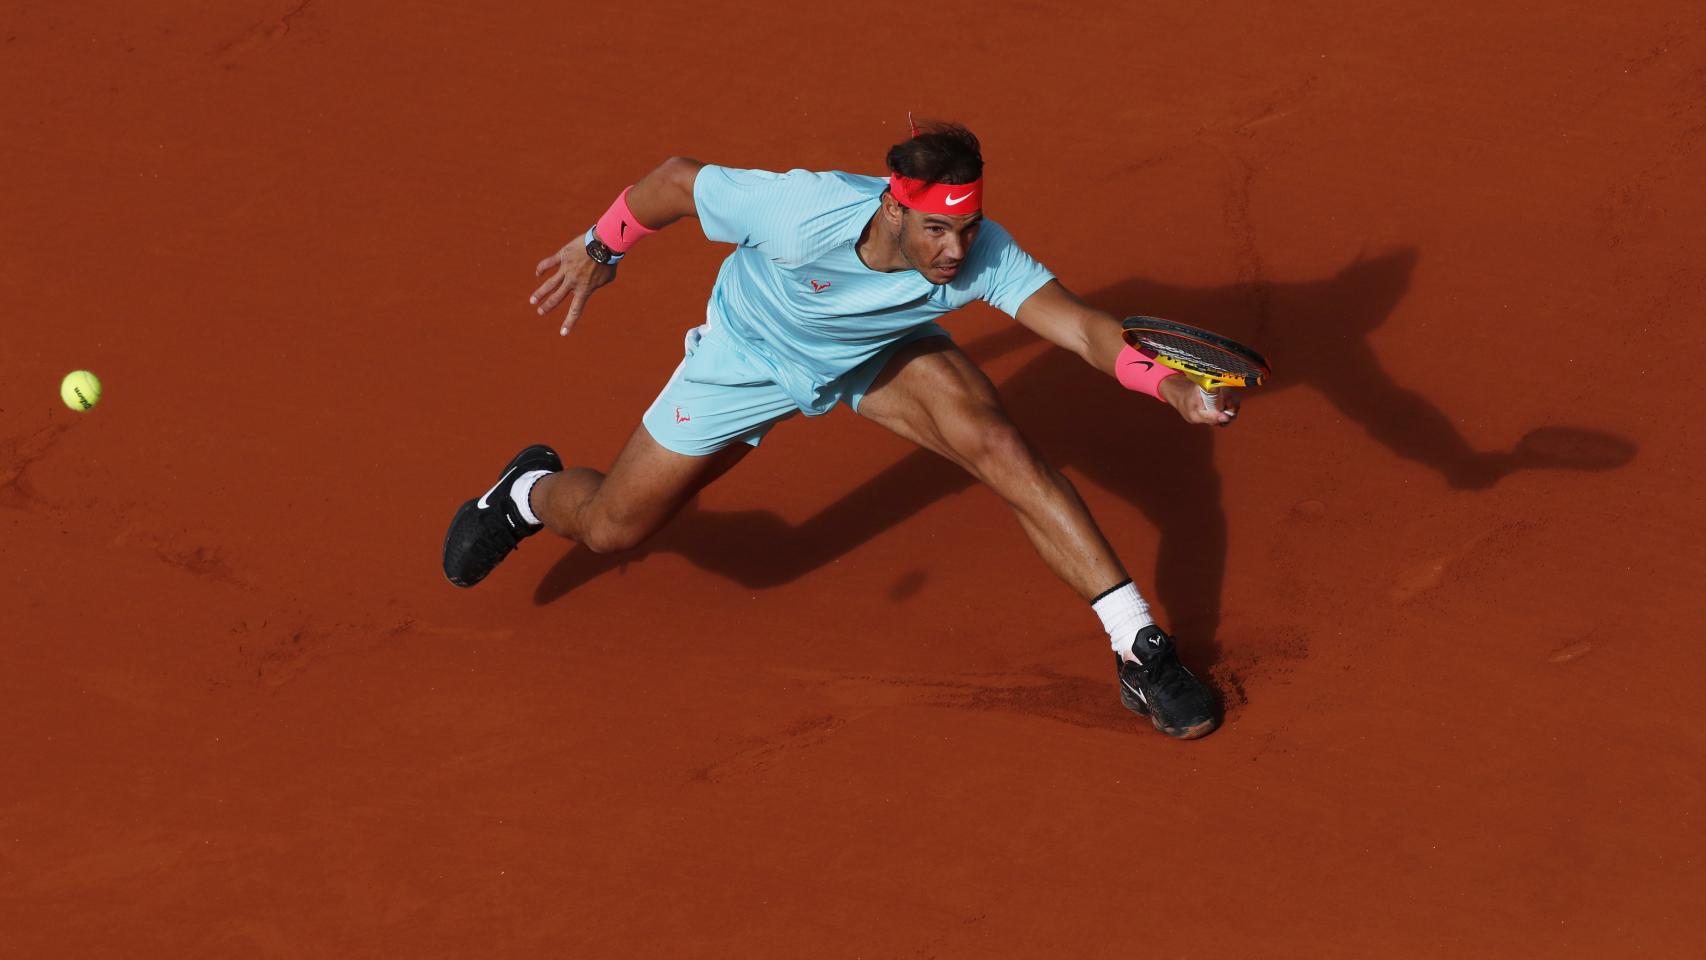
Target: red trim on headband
952	199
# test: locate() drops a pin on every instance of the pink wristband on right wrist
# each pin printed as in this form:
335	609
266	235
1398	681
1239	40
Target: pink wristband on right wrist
619	228
1138	371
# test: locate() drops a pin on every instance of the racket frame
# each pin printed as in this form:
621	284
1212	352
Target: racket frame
1210	379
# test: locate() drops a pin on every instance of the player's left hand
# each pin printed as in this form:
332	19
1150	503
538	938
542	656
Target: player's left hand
575	275
1184	397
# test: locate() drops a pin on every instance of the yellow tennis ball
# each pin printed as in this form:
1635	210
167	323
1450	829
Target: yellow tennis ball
80	390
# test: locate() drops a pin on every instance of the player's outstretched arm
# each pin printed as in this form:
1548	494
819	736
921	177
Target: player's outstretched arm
1058	316
659	199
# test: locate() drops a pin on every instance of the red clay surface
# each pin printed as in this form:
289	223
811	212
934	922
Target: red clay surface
1446	571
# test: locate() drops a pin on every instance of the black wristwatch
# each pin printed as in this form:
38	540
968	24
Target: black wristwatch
596	249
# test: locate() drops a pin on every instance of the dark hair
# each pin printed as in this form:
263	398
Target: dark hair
940	153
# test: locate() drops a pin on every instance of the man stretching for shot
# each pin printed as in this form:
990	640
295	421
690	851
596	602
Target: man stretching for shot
832	295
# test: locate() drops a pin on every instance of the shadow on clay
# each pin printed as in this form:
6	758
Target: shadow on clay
1316	333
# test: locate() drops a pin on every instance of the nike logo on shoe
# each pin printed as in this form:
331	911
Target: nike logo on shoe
1128	686
485	499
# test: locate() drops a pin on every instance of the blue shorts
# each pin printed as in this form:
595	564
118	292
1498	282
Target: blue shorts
719	395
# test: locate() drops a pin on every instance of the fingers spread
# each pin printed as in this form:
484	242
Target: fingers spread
556	297
545	288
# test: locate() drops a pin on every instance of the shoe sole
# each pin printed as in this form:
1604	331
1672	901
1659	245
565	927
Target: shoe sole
1136	705
470	506
549	460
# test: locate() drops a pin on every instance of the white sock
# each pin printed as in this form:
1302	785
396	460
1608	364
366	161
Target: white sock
521	493
1123	612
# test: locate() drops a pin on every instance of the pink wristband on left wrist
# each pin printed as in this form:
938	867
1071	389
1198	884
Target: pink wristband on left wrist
619	228
1139	371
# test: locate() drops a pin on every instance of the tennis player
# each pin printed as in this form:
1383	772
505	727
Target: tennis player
832	295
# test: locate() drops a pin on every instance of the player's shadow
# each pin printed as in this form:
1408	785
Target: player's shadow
1314	332
1316	335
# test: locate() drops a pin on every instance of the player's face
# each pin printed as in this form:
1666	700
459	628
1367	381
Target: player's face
936	244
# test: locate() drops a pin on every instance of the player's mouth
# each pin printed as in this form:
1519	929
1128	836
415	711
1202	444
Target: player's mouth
948	271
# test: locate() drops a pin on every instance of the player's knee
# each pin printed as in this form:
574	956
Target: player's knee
1000	451
614	536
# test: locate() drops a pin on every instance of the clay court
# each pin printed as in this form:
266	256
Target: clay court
1444	572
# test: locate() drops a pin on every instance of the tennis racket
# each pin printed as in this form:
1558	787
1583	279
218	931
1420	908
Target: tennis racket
1209	359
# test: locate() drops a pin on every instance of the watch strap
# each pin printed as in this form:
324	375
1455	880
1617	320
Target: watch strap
610	256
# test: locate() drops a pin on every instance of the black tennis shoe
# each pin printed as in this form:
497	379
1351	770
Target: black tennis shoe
488	527
1159	687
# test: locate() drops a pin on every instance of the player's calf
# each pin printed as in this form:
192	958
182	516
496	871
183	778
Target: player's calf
612	536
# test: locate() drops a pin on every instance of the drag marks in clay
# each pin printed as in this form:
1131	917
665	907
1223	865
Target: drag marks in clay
1264	655
277	651
17	455
267	31
189	551
762	753
1465	562
1079	701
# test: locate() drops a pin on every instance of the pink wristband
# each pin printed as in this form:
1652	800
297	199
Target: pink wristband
618	228
1138	371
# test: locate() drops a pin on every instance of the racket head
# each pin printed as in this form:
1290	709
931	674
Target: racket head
1210	359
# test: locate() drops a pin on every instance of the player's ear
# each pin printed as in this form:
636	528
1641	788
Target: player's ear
892	210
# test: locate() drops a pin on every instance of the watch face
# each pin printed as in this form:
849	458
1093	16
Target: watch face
598	251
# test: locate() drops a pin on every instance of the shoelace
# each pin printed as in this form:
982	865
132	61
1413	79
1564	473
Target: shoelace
1164	671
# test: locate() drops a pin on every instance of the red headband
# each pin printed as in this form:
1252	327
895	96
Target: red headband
952	199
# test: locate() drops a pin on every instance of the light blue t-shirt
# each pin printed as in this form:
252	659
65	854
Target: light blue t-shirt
797	297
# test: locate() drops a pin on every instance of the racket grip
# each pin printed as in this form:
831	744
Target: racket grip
1211	402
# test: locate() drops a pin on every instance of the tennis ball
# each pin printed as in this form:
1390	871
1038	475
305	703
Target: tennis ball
80	390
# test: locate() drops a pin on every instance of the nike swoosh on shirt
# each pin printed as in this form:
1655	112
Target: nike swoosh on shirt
488	494
954	201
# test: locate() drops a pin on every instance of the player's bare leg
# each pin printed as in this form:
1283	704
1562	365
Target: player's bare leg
646	486
605	512
933	395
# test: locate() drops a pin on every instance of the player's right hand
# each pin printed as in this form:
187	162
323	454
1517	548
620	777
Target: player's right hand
574	275
1182	395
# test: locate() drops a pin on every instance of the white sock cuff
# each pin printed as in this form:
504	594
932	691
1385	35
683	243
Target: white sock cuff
521	494
1123	612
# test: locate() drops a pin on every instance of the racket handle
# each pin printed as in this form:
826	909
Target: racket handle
1211	403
